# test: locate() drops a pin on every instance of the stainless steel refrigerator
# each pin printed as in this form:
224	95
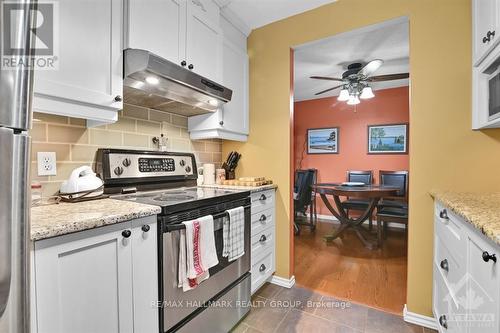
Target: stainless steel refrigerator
15	120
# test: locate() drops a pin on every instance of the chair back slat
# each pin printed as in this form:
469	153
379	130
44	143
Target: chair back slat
365	176
398	179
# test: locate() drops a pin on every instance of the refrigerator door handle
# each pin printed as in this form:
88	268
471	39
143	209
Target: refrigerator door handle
7	155
15	207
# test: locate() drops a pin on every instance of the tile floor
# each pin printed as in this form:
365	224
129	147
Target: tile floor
277	309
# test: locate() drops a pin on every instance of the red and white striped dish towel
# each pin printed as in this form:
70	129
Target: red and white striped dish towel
197	252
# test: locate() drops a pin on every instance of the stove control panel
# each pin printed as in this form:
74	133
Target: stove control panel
130	165
157	164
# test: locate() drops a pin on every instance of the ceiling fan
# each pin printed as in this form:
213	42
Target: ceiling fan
355	81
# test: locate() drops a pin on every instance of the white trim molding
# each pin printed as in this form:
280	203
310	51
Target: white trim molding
418	319
282	282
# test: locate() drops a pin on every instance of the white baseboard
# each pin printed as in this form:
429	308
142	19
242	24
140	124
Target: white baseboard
333	219
282	282
418	319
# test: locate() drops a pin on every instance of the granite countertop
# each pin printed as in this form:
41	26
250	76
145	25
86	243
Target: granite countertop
252	189
64	218
482	210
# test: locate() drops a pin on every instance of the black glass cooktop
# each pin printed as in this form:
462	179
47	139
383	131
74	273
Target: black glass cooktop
183	198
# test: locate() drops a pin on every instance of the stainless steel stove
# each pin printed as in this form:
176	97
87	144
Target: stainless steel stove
168	180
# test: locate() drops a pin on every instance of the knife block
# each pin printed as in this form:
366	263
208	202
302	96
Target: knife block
230	175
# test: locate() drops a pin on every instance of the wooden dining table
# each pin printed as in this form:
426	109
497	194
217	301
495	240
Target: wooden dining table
371	193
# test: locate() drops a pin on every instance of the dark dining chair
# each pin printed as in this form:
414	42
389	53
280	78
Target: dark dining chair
366	177
304	198
395	208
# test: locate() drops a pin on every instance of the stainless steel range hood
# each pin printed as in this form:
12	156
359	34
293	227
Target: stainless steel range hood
154	82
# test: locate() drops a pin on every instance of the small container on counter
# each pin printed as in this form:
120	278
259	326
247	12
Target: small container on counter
208	174
36	194
220	176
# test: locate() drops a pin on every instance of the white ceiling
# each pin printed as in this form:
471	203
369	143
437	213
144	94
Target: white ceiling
257	13
329	57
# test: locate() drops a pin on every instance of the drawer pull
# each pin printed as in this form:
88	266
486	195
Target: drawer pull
263	238
444	265
262	268
444	214
443	322
262	218
487	257
263	197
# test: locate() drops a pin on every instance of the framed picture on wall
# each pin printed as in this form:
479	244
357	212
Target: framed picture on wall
323	140
388	139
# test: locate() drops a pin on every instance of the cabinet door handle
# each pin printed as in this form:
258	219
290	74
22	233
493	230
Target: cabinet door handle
262	218
444	214
190	66
490	35
487	257
118	98
183	63
262	268
443	322
263	238
263	197
126	233
221	123
444	265
145	228
485	40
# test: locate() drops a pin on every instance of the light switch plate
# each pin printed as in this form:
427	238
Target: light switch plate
46	163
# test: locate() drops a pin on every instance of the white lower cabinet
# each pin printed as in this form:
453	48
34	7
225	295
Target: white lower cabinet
466	283
263	244
102	280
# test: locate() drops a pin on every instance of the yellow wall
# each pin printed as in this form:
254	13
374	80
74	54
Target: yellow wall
444	152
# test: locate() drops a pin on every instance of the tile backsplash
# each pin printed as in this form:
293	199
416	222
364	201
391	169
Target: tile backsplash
75	144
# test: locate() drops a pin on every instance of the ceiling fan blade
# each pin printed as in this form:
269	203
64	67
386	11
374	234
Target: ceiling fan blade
327	90
371	67
389	77
326	78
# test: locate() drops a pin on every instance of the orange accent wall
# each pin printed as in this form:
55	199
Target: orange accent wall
389	106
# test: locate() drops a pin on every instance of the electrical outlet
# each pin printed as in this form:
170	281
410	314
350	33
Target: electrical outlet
46	163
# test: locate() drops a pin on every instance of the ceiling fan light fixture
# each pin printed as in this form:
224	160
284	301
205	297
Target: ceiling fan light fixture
344	95
367	93
353	100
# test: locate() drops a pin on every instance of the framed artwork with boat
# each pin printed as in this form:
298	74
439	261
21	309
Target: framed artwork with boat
323	140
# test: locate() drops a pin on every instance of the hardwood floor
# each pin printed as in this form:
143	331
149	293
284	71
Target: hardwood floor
347	270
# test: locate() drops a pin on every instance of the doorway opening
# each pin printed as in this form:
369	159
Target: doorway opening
351	124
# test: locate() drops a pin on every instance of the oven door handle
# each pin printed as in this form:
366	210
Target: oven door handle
180	226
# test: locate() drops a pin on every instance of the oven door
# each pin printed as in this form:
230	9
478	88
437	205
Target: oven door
178	305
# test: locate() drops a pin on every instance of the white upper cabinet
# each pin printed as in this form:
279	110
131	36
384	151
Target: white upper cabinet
486	20
231	122
485	68
203	40
88	83
184	32
235	76
158	26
